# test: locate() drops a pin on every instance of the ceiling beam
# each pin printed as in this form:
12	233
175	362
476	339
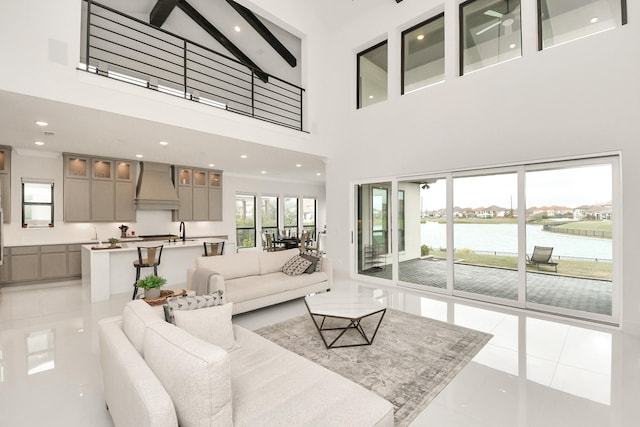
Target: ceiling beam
221	38
161	12
266	34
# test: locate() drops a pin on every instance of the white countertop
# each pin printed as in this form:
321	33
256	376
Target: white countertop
131	246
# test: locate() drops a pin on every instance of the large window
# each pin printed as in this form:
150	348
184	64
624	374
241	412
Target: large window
372	75
291	216
423	54
561	21
37	203
309	216
489	33
269	218
245	221
542	236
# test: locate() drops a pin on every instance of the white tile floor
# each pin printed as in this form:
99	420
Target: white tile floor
536	371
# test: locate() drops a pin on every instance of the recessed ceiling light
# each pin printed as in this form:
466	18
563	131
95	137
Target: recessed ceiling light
370	96
237	29
318	174
41	123
298	165
420	36
39	143
263	171
593	20
512	45
164	143
139	156
243	156
211	165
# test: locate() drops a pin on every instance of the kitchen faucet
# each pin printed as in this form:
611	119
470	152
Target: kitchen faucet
183	231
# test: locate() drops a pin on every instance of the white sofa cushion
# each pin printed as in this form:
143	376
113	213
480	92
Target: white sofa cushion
246	288
195	373
212	324
271	262
232	265
136	315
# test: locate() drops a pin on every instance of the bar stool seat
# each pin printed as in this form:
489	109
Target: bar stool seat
213	248
148	256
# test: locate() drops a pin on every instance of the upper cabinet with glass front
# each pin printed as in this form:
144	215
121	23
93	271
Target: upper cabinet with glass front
200	194
102	169
76	167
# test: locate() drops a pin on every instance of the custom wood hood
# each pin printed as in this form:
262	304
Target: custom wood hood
155	190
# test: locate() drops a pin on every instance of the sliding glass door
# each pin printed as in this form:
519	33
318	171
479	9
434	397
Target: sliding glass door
539	236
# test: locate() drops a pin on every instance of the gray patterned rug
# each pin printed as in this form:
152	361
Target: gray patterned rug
411	359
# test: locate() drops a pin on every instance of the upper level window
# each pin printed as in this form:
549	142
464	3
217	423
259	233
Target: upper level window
560	21
372	75
423	54
489	33
37	203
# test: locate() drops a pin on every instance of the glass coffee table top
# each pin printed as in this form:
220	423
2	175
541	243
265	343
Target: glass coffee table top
335	315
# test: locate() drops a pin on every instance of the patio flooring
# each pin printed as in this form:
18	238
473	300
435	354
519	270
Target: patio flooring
593	296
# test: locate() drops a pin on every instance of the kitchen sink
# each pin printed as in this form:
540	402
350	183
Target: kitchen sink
152	237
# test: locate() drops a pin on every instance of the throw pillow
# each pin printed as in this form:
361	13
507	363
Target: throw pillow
296	266
314	263
211	324
190	302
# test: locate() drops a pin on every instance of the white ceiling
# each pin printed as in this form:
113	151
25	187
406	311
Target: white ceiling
87	131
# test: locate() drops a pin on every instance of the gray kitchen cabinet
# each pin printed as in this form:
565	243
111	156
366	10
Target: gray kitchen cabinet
98	189
5	182
53	261
74	260
25	264
41	263
77	200
200	194
103	201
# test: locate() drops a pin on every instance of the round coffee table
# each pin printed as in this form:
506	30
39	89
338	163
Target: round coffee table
353	309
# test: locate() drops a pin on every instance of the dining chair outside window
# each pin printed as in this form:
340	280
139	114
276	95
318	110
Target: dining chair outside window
213	248
148	256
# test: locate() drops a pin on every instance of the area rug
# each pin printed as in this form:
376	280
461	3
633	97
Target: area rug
411	360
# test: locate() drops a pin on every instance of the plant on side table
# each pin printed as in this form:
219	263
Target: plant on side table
151	285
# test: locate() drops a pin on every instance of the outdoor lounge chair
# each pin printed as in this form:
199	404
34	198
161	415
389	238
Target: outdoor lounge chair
542	256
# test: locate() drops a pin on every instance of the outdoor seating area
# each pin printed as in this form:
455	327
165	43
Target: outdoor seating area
542	256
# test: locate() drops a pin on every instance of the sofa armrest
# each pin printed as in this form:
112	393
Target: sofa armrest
134	395
216	282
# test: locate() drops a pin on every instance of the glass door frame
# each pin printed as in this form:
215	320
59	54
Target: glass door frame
613	158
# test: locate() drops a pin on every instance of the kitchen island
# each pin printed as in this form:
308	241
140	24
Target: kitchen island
110	271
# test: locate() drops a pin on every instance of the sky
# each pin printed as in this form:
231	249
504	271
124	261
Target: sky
571	187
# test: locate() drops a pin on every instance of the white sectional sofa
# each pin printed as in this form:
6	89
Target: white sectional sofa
158	375
253	280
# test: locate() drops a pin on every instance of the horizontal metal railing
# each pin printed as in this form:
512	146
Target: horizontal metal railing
128	49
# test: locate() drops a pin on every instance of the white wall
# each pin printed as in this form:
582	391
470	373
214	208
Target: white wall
34	164
575	99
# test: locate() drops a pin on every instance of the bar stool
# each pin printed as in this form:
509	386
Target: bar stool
148	256
213	248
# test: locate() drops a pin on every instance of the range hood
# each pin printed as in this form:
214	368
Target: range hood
155	190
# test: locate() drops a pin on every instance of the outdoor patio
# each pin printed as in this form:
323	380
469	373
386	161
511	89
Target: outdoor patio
593	296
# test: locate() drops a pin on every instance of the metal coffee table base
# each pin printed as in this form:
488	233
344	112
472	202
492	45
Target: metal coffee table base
354	323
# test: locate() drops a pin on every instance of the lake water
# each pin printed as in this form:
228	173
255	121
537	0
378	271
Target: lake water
504	238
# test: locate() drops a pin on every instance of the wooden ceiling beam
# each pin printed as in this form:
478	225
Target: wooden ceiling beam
161	12
266	34
192	13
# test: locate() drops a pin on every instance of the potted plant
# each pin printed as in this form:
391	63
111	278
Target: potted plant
113	242
151	285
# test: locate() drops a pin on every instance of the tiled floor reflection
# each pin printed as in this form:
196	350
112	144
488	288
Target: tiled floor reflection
535	371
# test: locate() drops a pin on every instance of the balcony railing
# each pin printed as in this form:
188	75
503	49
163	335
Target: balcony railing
125	48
